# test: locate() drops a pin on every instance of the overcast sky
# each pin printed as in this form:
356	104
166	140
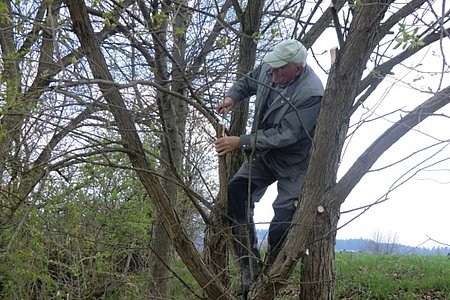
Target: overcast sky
418	203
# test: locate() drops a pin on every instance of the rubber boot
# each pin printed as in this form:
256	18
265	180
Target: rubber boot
246	247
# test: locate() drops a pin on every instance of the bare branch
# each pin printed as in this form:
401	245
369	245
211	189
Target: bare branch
386	140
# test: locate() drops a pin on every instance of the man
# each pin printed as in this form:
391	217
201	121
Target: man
288	96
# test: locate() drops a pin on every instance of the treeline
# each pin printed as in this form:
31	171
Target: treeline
366	245
370	246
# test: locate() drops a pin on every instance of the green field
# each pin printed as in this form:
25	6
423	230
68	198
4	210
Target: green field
375	276
372	276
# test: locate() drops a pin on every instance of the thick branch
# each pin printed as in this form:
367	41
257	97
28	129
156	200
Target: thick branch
136	154
385	141
329	139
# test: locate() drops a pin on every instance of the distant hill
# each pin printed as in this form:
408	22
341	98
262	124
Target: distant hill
368	246
365	245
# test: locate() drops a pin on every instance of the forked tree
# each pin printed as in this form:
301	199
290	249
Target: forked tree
146	70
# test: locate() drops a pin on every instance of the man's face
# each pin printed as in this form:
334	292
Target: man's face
286	73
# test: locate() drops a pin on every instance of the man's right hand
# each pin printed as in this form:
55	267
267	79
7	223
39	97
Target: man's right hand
227	144
225	105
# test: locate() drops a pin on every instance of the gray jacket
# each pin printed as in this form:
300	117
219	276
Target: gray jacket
282	133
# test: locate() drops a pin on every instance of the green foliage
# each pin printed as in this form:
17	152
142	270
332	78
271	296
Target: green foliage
356	4
376	73
159	19
185	285
224	41
408	39
108	20
86	238
179	32
275	32
361	276
256	36
4	13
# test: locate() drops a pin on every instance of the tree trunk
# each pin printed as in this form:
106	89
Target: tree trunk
135	151
159	281
320	183
250	20
173	114
317	272
317	280
15	109
217	235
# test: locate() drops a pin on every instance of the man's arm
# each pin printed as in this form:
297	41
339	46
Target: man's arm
245	87
241	89
297	124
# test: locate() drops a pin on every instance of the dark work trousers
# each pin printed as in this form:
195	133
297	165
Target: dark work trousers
241	206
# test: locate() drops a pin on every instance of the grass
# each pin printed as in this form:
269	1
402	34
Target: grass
366	276
375	276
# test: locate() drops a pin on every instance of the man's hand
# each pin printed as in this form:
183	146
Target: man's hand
227	144
225	105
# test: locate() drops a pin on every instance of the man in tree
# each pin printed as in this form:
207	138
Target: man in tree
288	96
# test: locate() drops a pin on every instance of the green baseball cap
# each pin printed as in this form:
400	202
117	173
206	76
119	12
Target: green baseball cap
287	51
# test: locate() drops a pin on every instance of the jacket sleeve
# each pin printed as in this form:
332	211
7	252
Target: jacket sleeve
298	123
245	87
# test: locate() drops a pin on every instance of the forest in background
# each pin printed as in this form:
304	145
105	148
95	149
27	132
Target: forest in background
370	246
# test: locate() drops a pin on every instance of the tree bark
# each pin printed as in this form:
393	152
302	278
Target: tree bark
217	238
173	115
133	146
170	156
337	102
217	235
320	188
250	21
324	162
317	280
